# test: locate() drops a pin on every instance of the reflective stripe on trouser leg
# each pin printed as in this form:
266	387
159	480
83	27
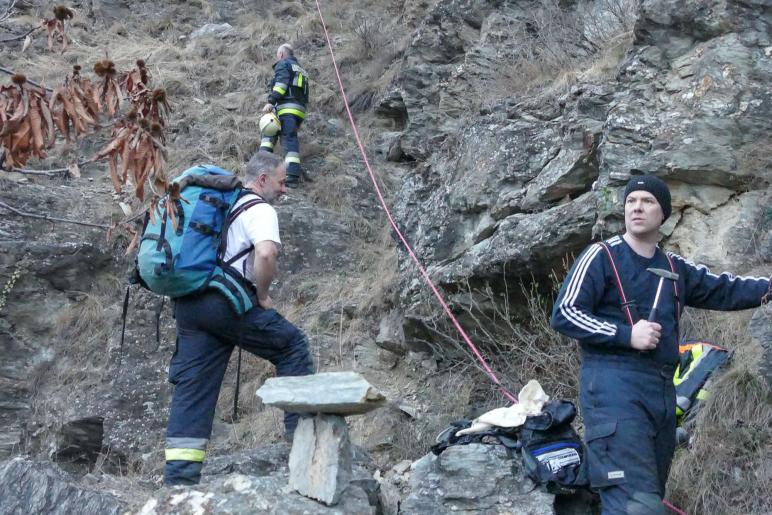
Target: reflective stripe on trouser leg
184	460
292	160
290	143
267	143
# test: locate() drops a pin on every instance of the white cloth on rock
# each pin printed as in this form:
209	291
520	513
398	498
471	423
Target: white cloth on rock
532	399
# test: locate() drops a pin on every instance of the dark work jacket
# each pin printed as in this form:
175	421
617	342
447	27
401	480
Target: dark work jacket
589	308
290	84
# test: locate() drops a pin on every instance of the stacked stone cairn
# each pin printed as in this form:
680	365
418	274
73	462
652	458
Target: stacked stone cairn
320	459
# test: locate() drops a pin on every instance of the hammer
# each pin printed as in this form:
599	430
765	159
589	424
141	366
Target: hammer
663	274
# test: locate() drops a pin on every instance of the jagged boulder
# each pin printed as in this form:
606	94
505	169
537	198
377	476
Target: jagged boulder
761	329
474	478
38	487
243	495
258	481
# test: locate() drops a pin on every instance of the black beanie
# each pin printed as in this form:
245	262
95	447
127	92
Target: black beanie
654	186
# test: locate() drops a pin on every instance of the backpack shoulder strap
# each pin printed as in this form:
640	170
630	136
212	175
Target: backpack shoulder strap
232	217
255	200
627	306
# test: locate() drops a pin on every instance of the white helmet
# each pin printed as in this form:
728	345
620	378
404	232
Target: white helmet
269	124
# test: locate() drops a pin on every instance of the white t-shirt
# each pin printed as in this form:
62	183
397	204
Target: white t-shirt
258	223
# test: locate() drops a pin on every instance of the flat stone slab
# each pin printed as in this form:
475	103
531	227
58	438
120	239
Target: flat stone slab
338	393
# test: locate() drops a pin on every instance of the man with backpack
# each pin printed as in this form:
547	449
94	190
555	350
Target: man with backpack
208	326
289	97
627	394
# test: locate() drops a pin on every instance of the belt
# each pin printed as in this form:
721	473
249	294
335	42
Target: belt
634	362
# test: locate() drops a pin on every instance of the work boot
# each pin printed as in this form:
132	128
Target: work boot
292	181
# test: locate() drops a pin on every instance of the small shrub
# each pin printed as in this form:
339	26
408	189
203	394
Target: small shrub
369	37
518	343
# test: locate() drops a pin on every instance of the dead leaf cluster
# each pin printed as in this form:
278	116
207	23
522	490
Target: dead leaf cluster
26	122
137	147
76	104
57	27
109	90
136	151
135	82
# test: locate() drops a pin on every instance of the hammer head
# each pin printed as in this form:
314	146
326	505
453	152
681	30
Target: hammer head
667	274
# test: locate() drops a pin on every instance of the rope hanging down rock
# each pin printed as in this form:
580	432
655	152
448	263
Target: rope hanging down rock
410	252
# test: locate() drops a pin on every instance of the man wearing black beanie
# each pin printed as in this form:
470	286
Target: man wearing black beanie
627	394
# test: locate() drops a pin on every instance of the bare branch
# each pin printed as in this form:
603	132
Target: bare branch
7	13
11	72
50	173
51	218
17	38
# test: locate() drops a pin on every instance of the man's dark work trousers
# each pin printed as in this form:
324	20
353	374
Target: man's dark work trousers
207	332
289	143
629	416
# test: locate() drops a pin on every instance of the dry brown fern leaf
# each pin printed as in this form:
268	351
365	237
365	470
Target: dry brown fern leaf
109	91
153	105
137	151
26	123
75	104
136	81
57	27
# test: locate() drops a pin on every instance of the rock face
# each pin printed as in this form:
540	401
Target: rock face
340	393
320	460
761	329
474	478
511	192
34	487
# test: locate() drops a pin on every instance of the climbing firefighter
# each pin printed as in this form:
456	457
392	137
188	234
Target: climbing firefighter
288	97
627	395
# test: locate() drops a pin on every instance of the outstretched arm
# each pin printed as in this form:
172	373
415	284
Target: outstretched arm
723	292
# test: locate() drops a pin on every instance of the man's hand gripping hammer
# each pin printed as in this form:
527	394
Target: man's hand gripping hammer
663	274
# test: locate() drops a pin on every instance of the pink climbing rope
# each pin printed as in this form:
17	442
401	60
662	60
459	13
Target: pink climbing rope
672	508
415	259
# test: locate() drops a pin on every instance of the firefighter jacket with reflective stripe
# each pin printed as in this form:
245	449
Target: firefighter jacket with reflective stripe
289	88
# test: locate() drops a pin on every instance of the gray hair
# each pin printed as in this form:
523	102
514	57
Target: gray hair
262	163
287	47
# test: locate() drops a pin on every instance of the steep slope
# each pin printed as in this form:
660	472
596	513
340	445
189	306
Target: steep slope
502	132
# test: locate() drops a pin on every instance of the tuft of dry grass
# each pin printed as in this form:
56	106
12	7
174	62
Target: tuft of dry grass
554	47
517	342
726	469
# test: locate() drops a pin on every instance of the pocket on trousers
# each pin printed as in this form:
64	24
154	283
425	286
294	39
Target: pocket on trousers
173	366
602	468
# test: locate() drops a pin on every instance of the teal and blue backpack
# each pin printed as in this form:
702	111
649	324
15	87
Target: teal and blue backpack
181	253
